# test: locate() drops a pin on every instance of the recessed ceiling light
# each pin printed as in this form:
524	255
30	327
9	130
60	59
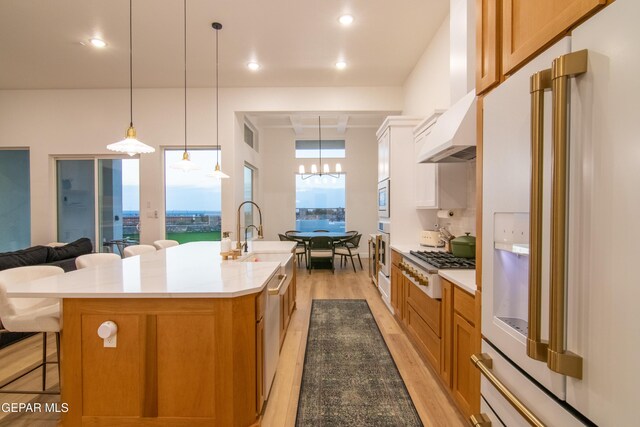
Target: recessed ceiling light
253	66
341	65
95	42
346	19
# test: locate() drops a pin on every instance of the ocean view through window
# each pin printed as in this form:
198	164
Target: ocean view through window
192	200
320	203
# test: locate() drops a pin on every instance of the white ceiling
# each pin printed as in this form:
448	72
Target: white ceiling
297	42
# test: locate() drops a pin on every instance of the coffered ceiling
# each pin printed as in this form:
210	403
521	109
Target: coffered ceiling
297	42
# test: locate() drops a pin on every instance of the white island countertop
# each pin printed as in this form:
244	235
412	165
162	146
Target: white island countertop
191	270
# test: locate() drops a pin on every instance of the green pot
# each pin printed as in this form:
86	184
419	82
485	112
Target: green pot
464	246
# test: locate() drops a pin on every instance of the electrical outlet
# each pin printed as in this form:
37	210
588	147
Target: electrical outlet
111	341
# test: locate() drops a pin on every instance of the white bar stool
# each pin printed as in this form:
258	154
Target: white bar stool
163	244
134	250
30	315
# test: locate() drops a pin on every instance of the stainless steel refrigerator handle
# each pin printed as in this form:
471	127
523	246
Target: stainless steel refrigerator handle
484	363
539	83
559	359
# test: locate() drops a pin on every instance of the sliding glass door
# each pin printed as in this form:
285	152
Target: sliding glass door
76	200
105	210
118	201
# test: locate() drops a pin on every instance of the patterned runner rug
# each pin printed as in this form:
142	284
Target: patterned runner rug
349	376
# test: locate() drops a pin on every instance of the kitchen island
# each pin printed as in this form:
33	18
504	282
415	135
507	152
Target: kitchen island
188	349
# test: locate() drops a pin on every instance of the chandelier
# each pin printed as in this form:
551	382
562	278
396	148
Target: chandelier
324	171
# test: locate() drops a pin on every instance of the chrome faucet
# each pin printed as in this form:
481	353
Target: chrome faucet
259	228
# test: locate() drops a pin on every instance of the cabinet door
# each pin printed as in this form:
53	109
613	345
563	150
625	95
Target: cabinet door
530	26
487	44
466	379
426	185
383	155
396	284
447	328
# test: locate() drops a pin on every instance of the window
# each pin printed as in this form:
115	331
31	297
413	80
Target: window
248	195
192	199
320	203
15	210
309	149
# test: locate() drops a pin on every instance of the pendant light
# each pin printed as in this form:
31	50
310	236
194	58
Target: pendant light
130	144
217	173
185	164
321	169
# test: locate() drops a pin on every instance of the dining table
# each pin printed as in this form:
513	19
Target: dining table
306	235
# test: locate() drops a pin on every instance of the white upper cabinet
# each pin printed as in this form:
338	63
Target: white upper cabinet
383	155
438	185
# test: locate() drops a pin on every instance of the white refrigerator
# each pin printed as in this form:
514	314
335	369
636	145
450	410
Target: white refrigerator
561	341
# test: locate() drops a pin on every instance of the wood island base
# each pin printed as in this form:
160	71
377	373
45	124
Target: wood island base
177	361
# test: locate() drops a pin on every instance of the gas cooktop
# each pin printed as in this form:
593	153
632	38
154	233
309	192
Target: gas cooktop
445	260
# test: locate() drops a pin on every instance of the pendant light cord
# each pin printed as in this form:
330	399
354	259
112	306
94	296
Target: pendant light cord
185	76
320	145
131	63
217	115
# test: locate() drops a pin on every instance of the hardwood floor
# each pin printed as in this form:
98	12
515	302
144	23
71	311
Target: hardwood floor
432	402
14	359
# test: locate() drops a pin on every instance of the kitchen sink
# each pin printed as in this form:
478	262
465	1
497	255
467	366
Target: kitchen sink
282	258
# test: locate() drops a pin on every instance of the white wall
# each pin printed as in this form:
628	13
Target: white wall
279	189
427	87
77	122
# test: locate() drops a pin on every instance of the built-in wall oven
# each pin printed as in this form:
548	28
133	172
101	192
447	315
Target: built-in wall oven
383	199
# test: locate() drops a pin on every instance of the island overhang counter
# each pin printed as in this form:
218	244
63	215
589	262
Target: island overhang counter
188	347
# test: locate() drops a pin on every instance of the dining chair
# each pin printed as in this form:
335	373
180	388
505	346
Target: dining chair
134	250
163	244
301	247
349	248
89	260
320	249
39	315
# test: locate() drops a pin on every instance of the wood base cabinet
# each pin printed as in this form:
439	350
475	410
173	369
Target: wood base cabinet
398	284
445	333
464	326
